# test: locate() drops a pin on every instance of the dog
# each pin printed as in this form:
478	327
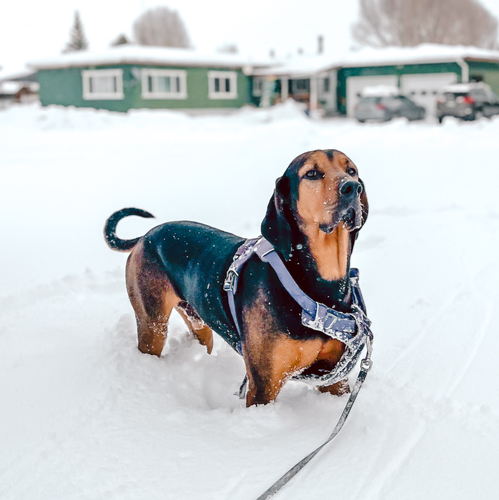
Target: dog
312	220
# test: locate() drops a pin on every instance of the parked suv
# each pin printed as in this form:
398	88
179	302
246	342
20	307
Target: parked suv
384	108
467	101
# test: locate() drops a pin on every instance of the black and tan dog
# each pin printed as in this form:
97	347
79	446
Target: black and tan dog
318	206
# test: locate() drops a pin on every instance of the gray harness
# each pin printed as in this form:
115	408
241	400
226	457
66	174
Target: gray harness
352	329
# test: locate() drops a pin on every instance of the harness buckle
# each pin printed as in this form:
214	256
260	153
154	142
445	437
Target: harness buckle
230	280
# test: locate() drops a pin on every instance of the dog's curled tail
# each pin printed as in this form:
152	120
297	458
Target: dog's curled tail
110	229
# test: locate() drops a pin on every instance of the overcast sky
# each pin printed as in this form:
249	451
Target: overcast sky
36	29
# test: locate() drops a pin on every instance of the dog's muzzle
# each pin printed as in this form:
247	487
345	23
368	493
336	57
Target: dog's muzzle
349	210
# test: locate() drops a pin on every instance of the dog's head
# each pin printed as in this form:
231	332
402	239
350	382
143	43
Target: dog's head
318	191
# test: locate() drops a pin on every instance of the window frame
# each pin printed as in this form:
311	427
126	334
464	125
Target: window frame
258	84
88	74
225	75
158	94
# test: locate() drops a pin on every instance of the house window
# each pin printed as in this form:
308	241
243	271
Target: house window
300	86
326	85
164	84
258	86
222	84
102	84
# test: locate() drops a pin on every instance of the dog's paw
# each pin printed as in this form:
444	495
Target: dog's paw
337	389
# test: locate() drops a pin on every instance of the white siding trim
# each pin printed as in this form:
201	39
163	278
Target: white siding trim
90	94
221	92
158	73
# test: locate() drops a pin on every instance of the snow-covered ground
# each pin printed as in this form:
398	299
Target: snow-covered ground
84	415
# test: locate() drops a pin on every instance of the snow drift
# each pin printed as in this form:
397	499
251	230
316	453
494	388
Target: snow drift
85	415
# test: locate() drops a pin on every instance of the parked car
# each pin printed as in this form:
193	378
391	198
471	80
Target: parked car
467	101
384	108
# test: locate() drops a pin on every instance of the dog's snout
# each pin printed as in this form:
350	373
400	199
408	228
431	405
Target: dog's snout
350	188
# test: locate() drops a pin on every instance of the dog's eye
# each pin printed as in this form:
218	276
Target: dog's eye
313	175
351	171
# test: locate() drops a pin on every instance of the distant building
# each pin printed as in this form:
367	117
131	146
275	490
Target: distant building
333	85
128	77
21	87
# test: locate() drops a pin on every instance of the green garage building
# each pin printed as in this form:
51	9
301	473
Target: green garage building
334	84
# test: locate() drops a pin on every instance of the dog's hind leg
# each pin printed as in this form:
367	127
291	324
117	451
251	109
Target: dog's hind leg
152	297
196	325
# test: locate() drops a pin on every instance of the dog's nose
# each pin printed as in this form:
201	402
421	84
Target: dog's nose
349	188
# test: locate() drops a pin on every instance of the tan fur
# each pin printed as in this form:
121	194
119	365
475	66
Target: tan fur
201	331
330	251
317	201
275	358
153	299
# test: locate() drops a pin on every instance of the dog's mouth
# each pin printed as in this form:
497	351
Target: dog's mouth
350	217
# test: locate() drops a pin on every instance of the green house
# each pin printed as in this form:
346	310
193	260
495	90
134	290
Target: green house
334	84
128	77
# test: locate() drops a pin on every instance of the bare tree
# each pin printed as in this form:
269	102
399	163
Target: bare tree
161	27
77	38
412	22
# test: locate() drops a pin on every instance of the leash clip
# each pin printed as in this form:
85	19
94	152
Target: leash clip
230	280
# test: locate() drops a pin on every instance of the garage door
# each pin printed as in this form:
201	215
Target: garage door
424	89
355	85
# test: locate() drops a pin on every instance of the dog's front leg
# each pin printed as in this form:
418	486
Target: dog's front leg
336	389
271	360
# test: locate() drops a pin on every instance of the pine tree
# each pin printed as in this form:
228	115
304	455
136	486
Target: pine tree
120	40
77	38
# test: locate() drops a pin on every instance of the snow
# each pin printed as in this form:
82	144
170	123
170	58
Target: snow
136	54
465	87
85	415
305	65
297	66
424	53
380	91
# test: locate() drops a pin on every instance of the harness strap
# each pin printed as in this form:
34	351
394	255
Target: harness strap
266	251
352	329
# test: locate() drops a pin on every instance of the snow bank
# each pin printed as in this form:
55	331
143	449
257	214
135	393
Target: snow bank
85	415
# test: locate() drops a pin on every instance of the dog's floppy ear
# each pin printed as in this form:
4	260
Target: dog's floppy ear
364	203
276	226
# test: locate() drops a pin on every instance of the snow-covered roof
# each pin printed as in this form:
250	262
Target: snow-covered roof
136	54
465	87
427	53
380	91
24	75
298	66
12	88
